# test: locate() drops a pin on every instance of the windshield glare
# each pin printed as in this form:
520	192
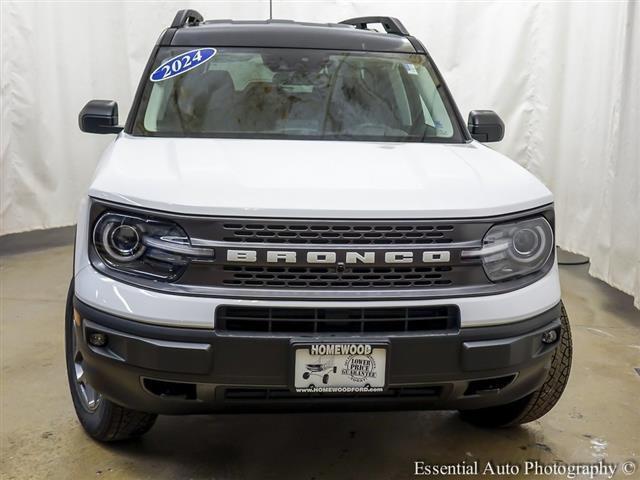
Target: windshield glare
299	94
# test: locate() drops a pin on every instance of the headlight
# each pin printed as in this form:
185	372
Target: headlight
145	247
515	249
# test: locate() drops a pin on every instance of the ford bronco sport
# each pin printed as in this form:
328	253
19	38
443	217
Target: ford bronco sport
296	217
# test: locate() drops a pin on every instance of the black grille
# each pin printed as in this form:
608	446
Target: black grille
322	277
328	233
336	320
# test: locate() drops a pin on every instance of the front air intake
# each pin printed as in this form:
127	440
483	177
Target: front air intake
338	320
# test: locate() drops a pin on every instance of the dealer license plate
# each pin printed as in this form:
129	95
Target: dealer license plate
339	367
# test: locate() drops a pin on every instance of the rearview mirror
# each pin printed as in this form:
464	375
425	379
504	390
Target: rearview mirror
485	126
99	116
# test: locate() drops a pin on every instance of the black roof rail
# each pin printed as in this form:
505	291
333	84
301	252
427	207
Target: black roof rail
186	17
390	24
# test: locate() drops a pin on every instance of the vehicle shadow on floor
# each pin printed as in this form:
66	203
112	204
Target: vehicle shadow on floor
323	445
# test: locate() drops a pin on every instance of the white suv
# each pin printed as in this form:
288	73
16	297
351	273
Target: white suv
296	217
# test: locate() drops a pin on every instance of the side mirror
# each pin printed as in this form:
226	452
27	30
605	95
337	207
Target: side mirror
99	116
485	126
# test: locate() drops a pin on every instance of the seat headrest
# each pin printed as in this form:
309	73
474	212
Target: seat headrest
196	89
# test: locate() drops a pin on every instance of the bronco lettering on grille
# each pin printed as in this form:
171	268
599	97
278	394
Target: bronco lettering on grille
349	257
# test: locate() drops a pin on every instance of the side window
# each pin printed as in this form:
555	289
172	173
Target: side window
428	119
157	105
400	95
435	113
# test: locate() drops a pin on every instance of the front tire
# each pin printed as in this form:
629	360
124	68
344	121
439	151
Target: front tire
102	419
538	403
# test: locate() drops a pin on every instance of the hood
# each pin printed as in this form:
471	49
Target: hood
314	179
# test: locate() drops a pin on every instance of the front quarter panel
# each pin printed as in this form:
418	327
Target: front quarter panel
81	251
80	256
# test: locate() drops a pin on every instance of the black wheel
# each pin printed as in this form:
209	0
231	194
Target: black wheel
538	403
306	375
325	378
102	419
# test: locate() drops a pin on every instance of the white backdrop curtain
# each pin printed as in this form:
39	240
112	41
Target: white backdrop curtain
565	77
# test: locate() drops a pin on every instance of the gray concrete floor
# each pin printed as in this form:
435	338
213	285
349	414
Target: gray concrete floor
597	418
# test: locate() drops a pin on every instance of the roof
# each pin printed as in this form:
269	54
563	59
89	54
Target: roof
285	34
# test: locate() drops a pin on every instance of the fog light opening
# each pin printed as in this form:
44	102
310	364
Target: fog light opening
550	337
97	339
162	388
488	385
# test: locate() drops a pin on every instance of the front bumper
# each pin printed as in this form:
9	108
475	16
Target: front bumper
172	370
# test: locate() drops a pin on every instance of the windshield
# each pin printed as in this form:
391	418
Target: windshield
297	94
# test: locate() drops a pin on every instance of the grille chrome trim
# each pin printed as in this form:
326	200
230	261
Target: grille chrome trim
203	242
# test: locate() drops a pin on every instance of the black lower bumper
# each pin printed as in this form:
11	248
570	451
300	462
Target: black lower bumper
180	370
